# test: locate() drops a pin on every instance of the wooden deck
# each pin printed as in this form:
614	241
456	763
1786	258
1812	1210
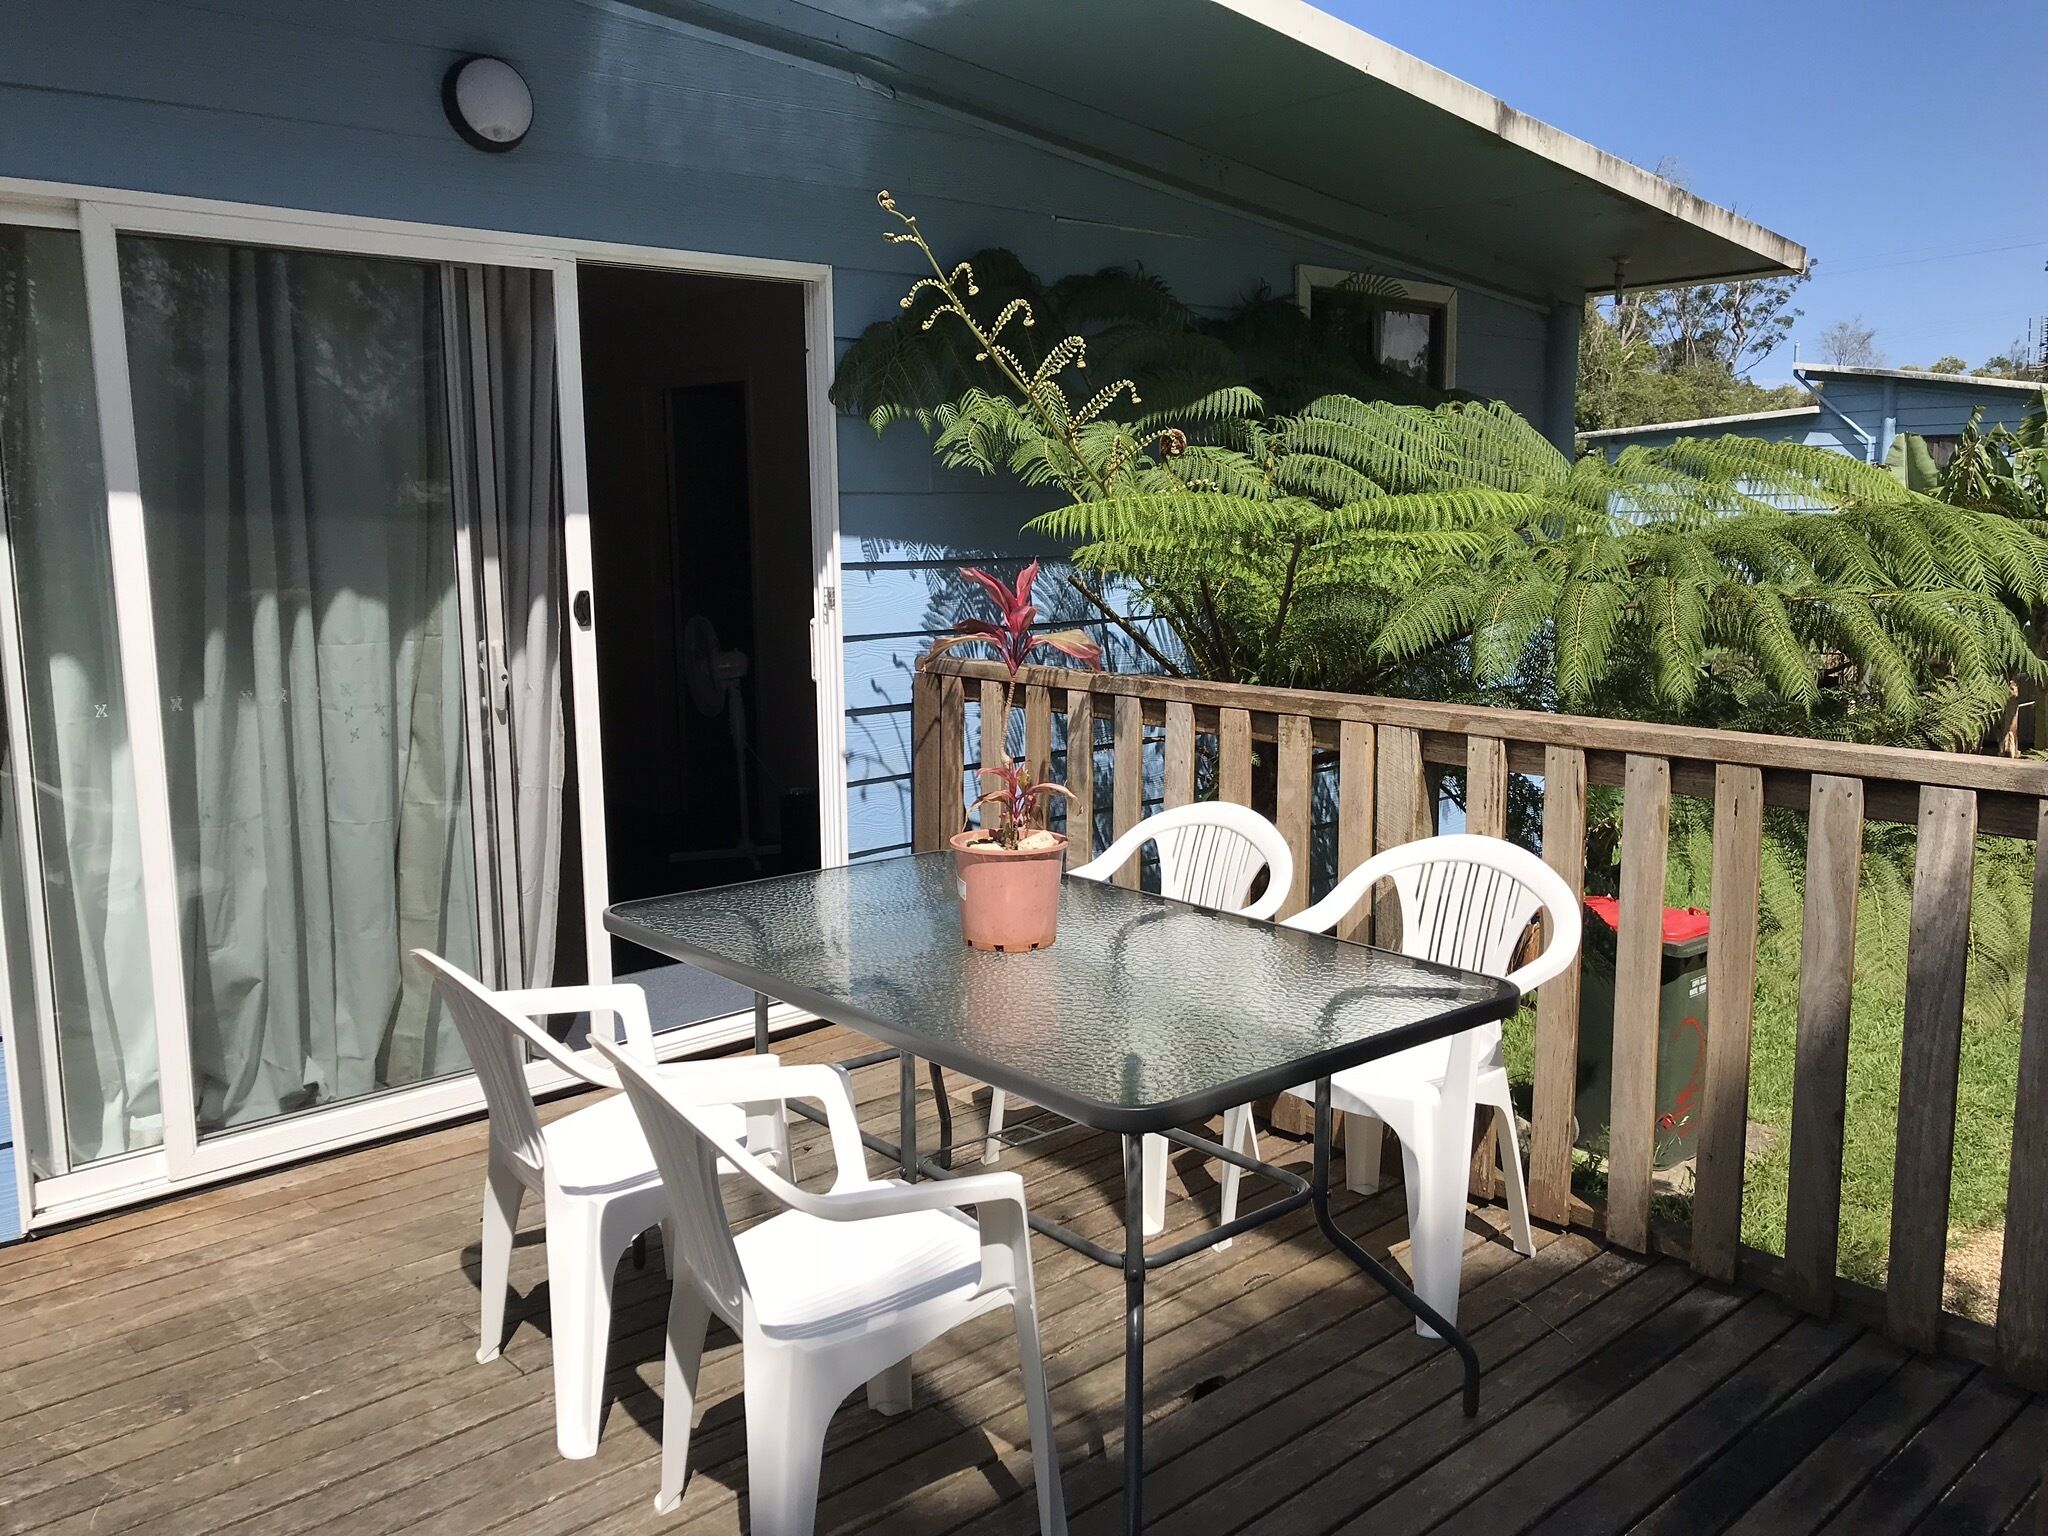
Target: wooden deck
296	1354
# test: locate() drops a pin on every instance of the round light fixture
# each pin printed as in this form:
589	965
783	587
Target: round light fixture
487	102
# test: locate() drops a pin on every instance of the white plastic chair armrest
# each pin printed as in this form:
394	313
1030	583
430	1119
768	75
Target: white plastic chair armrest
1104	865
1322	916
713	1074
709	1079
759	1080
582	1065
621	999
1000	1217
928	1195
1566	927
1119	853
1271	900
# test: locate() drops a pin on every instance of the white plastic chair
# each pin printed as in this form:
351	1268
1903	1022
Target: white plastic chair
1464	900
835	1290
591	1168
1209	854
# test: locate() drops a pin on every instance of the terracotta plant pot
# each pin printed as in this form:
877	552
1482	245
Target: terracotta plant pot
1009	898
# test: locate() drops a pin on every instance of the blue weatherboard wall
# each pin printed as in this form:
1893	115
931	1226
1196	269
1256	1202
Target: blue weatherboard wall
653	131
1885	406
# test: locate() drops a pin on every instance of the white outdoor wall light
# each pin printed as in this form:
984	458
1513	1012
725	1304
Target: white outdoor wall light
487	102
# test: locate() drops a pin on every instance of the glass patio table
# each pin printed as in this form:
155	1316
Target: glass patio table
1147	1014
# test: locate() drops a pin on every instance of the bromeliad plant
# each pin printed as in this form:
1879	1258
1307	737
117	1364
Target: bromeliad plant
1018	798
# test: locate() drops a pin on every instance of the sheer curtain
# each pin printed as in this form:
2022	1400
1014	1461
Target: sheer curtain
79	770
293	432
519	329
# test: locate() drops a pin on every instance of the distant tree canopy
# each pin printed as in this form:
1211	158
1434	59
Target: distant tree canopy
1680	354
1850	343
2015	362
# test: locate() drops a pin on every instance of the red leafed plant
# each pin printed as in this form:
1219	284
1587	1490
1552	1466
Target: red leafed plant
1018	798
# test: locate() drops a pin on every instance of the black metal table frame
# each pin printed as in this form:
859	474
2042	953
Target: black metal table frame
1133	1259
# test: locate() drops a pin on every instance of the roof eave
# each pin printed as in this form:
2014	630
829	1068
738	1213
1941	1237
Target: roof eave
1340	40
1916	376
1607	434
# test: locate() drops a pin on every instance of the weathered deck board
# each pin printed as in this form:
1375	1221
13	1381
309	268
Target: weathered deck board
295	1354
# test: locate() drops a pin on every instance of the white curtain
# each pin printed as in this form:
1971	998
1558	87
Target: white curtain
291	419
519	330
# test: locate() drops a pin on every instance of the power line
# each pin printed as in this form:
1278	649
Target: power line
1914	261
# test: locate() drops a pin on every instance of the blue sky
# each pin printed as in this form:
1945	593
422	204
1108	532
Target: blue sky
1902	144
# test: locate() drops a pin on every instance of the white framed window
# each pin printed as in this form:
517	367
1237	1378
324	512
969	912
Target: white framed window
1404	326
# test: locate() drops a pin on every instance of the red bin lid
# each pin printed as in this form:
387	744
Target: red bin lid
1681	924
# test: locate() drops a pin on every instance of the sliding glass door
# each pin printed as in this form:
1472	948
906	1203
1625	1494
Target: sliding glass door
283	627
84	1027
292	432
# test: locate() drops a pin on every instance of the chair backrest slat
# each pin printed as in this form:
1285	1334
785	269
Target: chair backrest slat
687	1159
1464	914
1465	900
492	1037
1210	854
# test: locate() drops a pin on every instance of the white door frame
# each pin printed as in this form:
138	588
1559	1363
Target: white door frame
99	214
135	634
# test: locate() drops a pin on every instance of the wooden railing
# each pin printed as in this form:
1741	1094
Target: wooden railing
1274	747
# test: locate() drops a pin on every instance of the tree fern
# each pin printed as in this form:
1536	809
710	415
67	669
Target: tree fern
907	369
1374	545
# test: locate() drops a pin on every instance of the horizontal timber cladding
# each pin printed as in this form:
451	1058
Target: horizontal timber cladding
704	142
1343	775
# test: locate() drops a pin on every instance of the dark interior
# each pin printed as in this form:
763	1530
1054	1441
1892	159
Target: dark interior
699	470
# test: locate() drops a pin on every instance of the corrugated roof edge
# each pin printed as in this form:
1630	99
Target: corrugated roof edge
1917	375
1601	434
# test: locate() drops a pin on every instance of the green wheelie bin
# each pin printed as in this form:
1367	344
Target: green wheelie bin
1681	1029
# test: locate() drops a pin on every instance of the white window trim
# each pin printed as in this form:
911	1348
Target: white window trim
101	212
1308	279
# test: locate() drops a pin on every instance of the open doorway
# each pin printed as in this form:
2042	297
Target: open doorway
697	428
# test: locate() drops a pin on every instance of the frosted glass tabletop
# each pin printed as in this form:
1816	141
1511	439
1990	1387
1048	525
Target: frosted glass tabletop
1144	1014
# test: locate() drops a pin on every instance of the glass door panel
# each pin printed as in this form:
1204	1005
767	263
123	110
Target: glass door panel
80	963
293	431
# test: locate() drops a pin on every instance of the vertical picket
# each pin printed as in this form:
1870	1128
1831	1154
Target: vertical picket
1638	964
1820	1073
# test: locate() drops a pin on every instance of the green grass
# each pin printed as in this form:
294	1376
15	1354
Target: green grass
1990	1058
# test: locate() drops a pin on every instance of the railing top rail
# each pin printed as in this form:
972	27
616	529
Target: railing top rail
1796	754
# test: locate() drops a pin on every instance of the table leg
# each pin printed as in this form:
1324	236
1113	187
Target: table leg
1134	1335
906	1115
760	1023
1319	1190
943	1156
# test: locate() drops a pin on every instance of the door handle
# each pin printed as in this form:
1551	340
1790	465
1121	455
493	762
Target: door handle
501	680
580	607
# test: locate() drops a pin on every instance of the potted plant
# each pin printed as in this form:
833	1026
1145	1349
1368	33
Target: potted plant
1010	865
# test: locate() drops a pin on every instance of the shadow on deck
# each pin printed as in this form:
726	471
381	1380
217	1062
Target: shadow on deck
296	1353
